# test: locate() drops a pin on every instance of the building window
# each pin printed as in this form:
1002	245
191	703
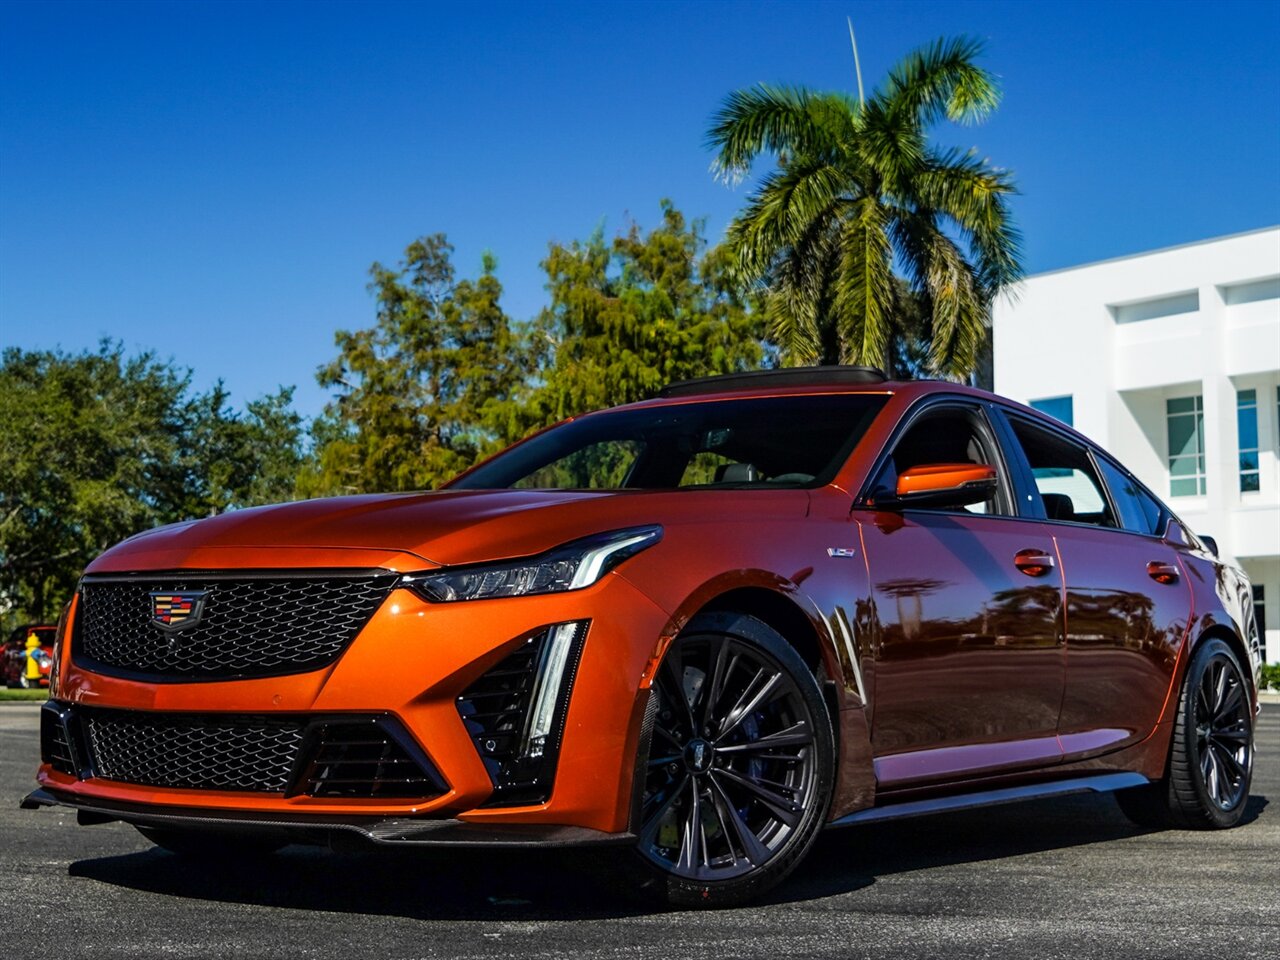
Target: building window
1185	417
1060	408
1247	435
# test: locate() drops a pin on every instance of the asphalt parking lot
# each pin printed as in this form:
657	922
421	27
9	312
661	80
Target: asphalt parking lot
1054	878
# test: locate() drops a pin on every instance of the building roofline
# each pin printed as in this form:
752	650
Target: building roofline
1149	253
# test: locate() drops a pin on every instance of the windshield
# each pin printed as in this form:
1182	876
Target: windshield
794	441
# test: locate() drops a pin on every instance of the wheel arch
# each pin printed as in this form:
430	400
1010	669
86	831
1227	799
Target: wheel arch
810	636
1237	645
782	614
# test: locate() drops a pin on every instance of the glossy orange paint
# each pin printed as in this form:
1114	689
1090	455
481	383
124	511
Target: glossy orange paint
955	660
935	477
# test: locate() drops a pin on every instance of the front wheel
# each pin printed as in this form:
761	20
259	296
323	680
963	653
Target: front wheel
1210	767
740	765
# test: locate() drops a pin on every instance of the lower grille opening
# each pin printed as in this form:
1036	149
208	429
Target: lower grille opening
199	752
333	756
365	758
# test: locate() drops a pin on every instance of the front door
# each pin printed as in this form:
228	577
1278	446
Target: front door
969	645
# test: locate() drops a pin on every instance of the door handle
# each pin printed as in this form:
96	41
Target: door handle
1162	572
1034	563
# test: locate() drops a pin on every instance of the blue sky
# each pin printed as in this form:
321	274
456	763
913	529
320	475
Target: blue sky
212	180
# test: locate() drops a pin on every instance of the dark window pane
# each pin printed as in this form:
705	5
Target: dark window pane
1127	496
1182	436
1247	425
796	441
1064	475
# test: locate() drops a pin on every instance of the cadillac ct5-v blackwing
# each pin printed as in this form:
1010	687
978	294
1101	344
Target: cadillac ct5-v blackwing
704	627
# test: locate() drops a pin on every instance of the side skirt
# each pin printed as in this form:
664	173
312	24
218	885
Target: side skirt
1103	783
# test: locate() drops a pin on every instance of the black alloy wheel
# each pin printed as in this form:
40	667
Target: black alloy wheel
1206	784
1223	733
740	766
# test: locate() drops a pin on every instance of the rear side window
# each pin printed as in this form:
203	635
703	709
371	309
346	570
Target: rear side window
1064	476
1139	510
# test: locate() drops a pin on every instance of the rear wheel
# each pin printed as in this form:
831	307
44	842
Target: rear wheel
1210	767
740	766
209	845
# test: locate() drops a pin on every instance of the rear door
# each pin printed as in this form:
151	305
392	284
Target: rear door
1126	603
968	672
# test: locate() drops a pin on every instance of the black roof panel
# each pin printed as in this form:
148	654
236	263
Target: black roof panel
784	377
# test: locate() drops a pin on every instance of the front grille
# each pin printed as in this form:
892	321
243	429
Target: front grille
248	626
201	752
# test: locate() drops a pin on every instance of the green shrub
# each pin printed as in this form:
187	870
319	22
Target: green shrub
1270	676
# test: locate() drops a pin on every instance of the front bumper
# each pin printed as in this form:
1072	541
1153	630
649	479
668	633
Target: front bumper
410	662
337	833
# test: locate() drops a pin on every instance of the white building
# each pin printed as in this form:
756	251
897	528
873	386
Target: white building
1170	360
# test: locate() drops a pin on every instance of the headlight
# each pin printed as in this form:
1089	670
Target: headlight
570	567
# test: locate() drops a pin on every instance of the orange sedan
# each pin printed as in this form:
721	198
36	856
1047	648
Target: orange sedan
703	627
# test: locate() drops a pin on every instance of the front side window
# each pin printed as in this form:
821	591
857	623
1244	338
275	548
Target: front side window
1064	476
946	434
1247	437
751	443
1185	417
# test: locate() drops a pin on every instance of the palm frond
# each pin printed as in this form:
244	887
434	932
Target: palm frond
788	202
865	290
778	120
959	309
974	196
942	79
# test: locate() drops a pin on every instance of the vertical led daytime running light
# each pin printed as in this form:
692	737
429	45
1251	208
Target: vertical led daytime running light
547	687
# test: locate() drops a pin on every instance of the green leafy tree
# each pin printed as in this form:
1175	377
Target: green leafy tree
426	391
236	459
860	187
630	316
97	446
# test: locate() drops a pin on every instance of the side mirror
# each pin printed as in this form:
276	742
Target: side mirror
1209	542
943	485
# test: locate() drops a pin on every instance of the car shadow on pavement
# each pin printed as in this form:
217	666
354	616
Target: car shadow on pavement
463	884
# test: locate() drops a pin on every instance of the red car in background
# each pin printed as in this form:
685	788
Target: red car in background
14	664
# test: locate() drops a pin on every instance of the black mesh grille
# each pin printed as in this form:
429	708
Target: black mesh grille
254	626
366	759
200	752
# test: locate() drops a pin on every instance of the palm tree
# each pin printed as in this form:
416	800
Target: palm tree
859	190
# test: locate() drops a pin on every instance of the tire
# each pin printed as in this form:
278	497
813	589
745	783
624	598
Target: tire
209	845
739	769
1210	768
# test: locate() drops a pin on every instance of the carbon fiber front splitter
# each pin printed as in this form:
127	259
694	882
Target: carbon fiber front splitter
335	832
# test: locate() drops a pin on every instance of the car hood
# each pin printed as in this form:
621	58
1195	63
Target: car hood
412	531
